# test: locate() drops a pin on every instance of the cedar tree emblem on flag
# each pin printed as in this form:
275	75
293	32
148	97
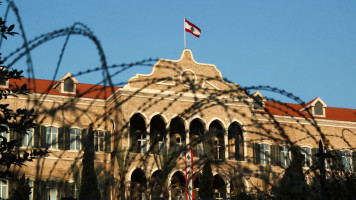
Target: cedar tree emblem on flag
191	28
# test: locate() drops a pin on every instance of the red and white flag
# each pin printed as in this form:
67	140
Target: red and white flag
191	28
189	174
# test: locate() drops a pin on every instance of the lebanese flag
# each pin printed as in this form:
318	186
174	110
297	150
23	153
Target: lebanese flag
191	28
189	194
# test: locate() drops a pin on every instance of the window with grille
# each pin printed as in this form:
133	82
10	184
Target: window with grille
264	153
218	149
3	189
51	137
27	139
99	141
346	160
142	143
327	160
261	153
51	191
75	138
285	159
306	155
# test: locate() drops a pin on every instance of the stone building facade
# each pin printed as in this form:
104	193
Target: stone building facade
181	105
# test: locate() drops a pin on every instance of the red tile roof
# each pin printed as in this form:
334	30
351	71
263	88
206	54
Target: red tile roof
103	92
290	109
46	87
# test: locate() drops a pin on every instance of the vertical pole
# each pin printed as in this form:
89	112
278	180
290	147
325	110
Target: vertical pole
184	35
322	171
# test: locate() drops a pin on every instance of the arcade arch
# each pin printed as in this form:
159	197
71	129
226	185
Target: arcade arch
235	142
138	135
217	133
138	185
158	135
196	133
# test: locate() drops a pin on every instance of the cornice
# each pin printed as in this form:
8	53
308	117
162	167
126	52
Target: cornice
178	95
59	99
303	121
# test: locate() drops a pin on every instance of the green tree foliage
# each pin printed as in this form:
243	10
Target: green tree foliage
337	186
206	182
22	190
293	184
76	176
266	173
123	163
18	121
237	186
89	184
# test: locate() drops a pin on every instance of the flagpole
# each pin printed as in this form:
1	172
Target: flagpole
184	35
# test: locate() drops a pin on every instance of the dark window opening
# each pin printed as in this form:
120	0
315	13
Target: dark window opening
235	143
68	85
258	104
3	78
138	134
318	109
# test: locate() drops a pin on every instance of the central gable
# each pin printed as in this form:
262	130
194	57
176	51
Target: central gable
183	75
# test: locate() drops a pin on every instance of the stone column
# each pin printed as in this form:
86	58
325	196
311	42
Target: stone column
127	194
148	138
228	190
168	142
226	144
187	137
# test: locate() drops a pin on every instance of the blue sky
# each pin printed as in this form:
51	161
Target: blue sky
304	47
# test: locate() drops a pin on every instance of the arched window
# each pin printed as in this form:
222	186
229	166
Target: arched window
68	85
236	142
218	149
258	103
219	187
198	147
158	135
177	135
318	108
156	185
178	186
197	130
196	185
138	134
217	133
138	186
